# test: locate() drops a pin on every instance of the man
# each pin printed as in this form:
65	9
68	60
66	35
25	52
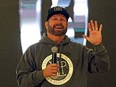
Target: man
55	61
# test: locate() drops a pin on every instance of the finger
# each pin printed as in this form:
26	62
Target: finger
85	37
89	27
54	71
96	25
92	25
54	74
54	68
100	28
54	65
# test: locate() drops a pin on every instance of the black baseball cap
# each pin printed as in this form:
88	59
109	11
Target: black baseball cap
57	10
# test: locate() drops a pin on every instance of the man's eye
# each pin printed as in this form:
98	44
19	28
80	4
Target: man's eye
63	19
54	18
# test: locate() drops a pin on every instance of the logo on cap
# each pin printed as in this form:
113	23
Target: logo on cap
57	9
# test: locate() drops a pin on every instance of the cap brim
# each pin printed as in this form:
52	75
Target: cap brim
58	12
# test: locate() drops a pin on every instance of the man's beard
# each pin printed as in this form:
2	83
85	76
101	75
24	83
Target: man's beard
57	32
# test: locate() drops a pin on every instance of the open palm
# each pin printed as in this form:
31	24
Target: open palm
95	36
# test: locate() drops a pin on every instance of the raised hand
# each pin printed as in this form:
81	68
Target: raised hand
95	36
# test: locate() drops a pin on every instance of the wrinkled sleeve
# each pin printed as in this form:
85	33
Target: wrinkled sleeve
98	59
27	74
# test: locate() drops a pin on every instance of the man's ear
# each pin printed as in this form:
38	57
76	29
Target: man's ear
46	24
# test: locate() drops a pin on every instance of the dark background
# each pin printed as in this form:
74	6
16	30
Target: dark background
10	47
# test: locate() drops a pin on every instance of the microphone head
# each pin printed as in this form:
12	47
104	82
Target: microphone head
54	49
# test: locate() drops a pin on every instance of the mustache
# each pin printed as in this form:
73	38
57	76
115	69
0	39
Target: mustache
58	25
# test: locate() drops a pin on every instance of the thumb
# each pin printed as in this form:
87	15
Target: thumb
86	37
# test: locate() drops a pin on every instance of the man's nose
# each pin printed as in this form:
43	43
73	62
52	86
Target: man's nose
59	21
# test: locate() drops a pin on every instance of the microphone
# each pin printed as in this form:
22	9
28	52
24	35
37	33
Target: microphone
54	54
